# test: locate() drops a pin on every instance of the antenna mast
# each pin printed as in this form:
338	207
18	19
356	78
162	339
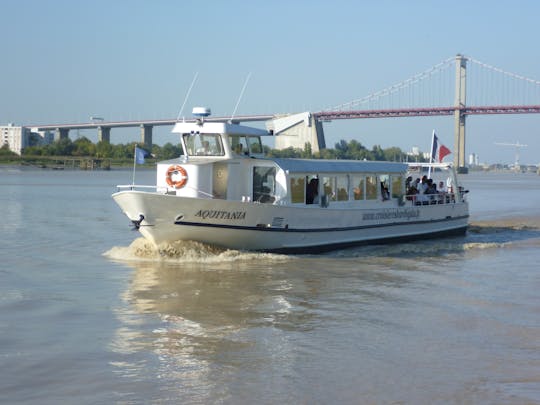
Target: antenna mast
187	95
240	97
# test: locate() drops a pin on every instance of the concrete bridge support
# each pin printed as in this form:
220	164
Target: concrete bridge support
61	133
104	134
459	116
297	130
146	135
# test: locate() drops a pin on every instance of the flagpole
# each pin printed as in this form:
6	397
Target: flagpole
134	164
431	154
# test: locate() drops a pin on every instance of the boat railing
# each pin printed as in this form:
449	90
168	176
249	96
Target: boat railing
438	173
159	189
131	187
434	199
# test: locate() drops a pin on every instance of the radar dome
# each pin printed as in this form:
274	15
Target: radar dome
201	112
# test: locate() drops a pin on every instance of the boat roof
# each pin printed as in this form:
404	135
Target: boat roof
444	165
217	128
339	166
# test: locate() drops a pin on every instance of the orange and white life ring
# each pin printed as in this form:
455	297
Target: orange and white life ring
176	176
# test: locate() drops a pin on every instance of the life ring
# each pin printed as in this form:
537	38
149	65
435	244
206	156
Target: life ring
181	176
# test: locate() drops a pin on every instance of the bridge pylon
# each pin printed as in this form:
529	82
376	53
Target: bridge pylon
459	114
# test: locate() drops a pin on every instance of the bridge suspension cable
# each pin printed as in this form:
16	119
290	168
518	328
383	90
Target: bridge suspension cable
504	72
444	65
435	87
490	85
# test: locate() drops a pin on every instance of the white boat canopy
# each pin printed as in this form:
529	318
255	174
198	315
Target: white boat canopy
339	166
217	128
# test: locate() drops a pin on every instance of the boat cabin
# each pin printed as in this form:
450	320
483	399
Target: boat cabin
225	161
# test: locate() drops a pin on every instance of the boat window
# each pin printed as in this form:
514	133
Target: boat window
329	188
203	144
371	187
397	186
312	189
342	188
384	182
264	184
255	145
239	144
358	183
297	187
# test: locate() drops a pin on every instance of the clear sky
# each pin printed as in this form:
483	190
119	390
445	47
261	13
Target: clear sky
64	61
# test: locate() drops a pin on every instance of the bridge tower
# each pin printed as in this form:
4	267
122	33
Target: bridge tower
459	116
146	135
104	134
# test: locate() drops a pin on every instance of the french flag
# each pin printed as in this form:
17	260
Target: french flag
438	150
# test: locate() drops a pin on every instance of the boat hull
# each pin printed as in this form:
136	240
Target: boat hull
278	228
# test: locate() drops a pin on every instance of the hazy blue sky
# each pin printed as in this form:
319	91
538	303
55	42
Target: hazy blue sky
63	61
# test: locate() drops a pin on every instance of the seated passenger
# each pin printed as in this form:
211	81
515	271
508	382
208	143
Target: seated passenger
266	196
205	149
238	149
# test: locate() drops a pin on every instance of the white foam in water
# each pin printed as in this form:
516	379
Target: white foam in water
184	251
477	245
502	233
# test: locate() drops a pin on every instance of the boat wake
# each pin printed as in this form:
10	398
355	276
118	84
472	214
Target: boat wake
185	252
504	232
481	236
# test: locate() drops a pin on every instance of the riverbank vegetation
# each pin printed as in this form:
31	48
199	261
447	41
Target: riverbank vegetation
122	154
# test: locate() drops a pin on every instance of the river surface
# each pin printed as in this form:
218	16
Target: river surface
90	315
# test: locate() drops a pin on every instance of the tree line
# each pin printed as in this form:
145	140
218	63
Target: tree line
83	147
353	150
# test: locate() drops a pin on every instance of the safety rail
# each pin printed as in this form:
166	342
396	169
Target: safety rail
164	190
434	199
124	187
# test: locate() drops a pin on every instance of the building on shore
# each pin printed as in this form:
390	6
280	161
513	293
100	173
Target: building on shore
17	138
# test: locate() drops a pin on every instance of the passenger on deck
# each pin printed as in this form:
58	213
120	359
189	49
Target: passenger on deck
384	192
423	185
442	193
422	188
312	191
408	182
442	187
412	190
431	191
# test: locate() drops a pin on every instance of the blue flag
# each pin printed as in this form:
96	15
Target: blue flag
140	154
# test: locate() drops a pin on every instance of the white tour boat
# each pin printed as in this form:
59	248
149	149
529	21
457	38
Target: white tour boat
223	191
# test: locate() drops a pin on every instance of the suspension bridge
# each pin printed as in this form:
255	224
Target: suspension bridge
476	88
458	86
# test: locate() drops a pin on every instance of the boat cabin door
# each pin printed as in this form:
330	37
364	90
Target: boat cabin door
220	176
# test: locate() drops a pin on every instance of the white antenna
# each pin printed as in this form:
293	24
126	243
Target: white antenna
517	145
240	97
187	95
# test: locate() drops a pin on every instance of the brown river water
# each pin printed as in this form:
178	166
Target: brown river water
91	314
